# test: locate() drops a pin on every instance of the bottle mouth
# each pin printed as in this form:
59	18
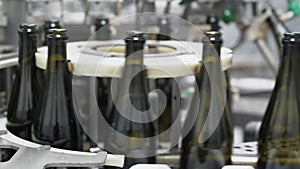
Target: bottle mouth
49	23
135	36
213	37
58	33
28	28
291	37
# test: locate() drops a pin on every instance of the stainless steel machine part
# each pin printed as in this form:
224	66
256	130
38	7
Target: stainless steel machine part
35	156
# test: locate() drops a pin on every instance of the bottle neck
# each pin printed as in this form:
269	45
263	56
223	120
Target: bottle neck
134	76
27	49
289	68
134	53
211	50
57	55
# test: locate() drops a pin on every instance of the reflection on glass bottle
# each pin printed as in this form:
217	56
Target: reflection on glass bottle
55	120
208	143
279	137
131	123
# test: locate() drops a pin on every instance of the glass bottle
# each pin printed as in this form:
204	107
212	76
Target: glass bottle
165	84
130	121
24	92
279	136
103	83
55	120
208	143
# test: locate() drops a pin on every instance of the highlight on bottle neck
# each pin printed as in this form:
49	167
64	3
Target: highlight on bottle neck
28	41
51	24
135	47
57	40
28	28
213	37
212	43
291	38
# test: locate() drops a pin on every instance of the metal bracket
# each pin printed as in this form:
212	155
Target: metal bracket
35	156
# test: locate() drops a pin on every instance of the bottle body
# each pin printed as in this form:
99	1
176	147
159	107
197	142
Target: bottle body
55	122
131	129
279	136
208	143
24	94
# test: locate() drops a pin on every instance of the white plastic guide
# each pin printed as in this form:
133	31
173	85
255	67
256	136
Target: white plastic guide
177	58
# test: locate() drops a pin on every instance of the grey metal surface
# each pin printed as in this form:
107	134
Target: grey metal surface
35	156
8	62
15	11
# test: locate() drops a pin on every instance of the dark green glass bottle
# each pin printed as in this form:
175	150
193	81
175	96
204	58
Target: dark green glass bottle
50	24
103	83
23	97
164	29
213	21
165	84
24	92
55	120
127	135
279	137
103	29
207	149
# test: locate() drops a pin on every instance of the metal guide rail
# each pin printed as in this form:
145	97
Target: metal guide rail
34	156
8	56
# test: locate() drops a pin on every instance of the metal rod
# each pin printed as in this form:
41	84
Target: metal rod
268	55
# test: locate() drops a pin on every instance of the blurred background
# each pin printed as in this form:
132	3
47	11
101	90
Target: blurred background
247	30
